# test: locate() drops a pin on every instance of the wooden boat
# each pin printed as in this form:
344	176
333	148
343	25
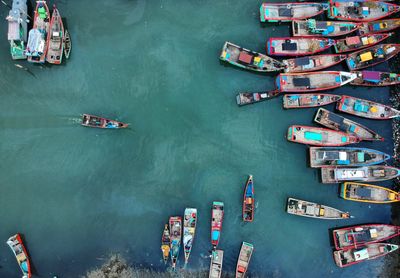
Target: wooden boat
357	236
379	26
250	98
217	217
308	100
345	156
19	250
276	12
375	78
248	59
244	259
372	56
314	28
368	193
217	257
360	10
165	243
372	251
333	174
316	136
314	210
366	108
312	63
18	29
359	42
67	44
248	201
297	46
337	122
55	39
175	227
99	122
189	230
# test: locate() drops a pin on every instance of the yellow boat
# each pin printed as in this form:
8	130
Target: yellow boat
165	243
368	193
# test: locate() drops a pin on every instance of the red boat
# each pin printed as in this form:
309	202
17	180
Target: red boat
312	63
297	46
359	42
308	100
216	222
18	248
248	201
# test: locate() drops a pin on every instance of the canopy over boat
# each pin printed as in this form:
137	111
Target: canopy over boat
368	193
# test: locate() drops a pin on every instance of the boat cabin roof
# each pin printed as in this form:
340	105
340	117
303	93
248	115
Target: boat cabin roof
361	254
350	174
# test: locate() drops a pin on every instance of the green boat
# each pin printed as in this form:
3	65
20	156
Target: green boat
18	29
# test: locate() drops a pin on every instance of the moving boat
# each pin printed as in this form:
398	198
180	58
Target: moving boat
99	122
217	217
18	248
18	29
368	193
217	257
165	243
175	227
314	210
312	63
296	46
366	108
372	251
333	174
67	44
248	201
55	44
339	123
375	78
317	136
312	27
244	259
189	230
308	100
250	98
345	156
248	59
275	12
380	26
359	42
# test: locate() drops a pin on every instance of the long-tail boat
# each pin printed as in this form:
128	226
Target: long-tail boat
217	257
250	98
217	217
175	227
316	136
368	193
165	243
99	122
189	230
312	63
358	42
248	201
55	39
366	108
372	56
380	26
18	29
314	28
275	12
375	78
372	251
296	46
19	250
248	59
337	122
314	210
333	174
308	100
244	259
67	44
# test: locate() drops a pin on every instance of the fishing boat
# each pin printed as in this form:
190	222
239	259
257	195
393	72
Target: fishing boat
379	26
99	122
372	56
333	174
360	10
217	257
358	42
353	256
316	136
248	59
312	63
165	243
277	12
337	122
314	28
297	46
308	100
67	44
19	250
368	193
217	217
345	156
175	227
366	108
244	259
189	230
248	201
314	210
375	78
357	236
55	44
250	98
18	29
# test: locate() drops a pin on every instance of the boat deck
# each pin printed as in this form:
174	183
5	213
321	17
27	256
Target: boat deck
318	136
308	209
55	49
322	28
355	191
278	11
298	45
309	81
362	11
366	108
217	257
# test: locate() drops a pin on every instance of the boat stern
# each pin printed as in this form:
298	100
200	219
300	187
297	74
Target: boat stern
337	258
342	190
224	54
289	135
262	13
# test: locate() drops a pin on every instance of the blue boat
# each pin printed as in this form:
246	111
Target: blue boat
175	227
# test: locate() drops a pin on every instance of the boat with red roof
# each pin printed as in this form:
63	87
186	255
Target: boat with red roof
297	46
217	217
359	42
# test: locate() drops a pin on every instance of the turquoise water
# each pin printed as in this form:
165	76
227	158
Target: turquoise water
78	194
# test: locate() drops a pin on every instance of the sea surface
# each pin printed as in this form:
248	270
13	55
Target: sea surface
78	194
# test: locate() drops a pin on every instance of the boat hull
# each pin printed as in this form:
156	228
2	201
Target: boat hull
55	43
250	98
217	257
245	254
281	12
291	101
313	28
297	46
248	201
18	248
380	26
100	122
175	227
368	193
189	231
314	210
313	63
375	79
374	173
356	43
217	217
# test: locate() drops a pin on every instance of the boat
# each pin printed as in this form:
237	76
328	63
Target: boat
99	122
250	98
312	63
380	26
314	210
333	174
165	243
316	136
375	78
359	42
353	256
360	235
244	259
314	28
360	10
281	12
175	227
19	250
67	44
308	100
337	122
368	193
297	46
366	108
217	257
55	43
36	48
372	56
189	230
217	217
18	29
248	201
345	156
248	59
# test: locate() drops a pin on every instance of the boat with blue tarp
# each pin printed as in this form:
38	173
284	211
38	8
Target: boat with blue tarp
175	227
20	253
315	28
189	230
248	201
100	122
